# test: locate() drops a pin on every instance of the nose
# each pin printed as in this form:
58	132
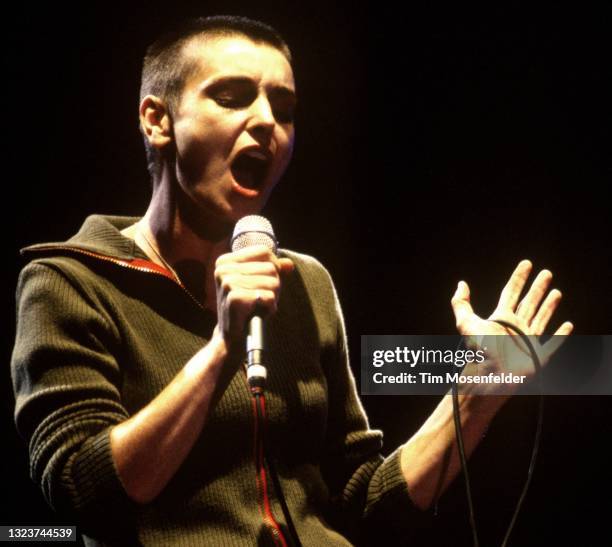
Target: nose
262	118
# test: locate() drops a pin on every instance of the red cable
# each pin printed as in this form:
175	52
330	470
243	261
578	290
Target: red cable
260	475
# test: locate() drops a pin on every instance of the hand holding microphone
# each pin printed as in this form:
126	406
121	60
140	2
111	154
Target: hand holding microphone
248	286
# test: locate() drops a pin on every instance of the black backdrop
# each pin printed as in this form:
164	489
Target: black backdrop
432	146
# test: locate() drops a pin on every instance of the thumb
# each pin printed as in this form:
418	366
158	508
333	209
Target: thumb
285	266
461	305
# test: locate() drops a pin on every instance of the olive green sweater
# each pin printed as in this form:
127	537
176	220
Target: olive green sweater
101	331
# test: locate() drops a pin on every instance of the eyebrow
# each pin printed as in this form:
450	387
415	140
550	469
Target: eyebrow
281	90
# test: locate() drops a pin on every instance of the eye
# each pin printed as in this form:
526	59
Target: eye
284	114
233	93
283	106
234	100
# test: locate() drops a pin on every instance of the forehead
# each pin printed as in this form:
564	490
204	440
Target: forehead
236	55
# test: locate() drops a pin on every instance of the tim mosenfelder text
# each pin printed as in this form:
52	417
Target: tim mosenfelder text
459	358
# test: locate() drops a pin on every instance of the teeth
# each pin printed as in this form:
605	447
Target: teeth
256	154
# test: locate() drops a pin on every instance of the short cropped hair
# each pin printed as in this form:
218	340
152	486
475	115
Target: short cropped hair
166	69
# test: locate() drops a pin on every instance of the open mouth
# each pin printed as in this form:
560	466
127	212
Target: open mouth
249	169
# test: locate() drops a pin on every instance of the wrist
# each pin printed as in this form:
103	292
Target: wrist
218	345
209	359
484	406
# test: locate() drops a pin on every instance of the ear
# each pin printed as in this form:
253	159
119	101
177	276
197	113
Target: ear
155	121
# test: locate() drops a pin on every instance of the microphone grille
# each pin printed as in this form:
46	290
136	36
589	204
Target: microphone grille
253	230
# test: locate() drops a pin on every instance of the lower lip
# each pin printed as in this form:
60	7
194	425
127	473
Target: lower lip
246	192
242	190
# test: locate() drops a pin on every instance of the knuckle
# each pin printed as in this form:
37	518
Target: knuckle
266	296
271	269
259	251
220	271
222	259
269	299
235	299
226	284
275	284
457	301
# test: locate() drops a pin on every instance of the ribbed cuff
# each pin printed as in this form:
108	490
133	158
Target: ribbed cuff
96	478
389	487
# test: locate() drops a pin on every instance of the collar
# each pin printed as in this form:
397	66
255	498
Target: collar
100	237
99	234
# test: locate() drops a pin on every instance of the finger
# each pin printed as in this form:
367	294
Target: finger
245	268
528	306
257	254
565	329
264	302
546	311
512	291
285	265
556	341
248	254
461	306
241	304
234	282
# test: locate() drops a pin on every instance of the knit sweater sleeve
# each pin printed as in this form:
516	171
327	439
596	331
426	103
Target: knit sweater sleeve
67	387
368	491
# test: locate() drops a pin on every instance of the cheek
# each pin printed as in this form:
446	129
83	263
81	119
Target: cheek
198	146
191	159
287	146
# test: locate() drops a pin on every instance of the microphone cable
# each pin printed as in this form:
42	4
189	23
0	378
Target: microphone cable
249	231
260	442
536	443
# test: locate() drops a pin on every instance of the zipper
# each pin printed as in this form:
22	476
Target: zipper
137	264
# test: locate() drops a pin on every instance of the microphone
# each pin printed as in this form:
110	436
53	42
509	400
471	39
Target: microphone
254	230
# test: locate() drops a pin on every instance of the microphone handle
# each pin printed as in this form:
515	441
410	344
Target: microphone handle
256	372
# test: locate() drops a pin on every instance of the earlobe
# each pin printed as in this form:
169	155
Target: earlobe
155	121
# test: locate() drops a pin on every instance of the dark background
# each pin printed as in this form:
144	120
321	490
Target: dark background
432	146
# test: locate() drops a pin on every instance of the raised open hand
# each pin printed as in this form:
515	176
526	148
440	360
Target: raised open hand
532	315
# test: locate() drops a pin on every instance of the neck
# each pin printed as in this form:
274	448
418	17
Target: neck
189	244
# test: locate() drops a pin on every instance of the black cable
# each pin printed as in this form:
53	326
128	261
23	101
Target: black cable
466	476
536	442
293	535
538	434
294	538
